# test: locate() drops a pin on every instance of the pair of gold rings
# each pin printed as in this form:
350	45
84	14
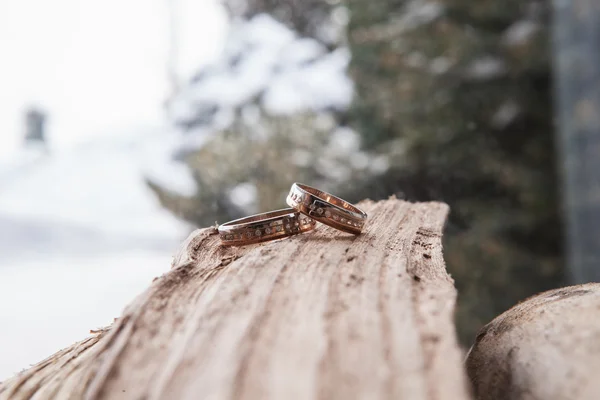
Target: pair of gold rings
308	206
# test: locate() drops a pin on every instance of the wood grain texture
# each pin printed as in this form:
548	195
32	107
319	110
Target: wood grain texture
324	315
545	348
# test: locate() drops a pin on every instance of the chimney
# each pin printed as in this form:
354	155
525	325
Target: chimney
35	133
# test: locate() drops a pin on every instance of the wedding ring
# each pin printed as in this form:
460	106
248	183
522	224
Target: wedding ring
264	227
326	208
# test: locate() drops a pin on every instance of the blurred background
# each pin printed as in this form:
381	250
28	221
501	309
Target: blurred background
125	124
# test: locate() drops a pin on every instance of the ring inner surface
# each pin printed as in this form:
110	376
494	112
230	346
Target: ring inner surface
331	199
264	217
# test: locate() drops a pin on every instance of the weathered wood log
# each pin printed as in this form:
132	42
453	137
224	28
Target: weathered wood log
545	348
323	315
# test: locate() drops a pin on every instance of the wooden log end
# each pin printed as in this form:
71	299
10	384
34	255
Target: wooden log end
547	347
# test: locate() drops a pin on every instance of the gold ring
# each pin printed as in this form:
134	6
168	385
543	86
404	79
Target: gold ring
326	208
264	227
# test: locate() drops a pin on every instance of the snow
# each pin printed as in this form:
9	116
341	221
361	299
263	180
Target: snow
520	32
159	164
440	65
341	16
485	68
420	12
344	141
319	85
256	45
81	234
195	20
47	304
244	195
265	60
505	114
380	164
99	184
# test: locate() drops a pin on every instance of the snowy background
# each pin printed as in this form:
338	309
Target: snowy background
80	232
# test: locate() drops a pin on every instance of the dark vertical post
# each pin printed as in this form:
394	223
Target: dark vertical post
34	126
577	68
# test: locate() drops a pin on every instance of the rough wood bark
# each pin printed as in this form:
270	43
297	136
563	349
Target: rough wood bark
546	348
323	315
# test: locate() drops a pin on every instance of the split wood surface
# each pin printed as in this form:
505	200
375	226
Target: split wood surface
323	315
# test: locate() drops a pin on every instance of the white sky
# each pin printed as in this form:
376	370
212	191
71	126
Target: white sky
96	66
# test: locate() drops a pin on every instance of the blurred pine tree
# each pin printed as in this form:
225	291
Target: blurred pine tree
259	146
465	87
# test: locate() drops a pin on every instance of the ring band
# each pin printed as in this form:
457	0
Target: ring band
326	208
264	227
